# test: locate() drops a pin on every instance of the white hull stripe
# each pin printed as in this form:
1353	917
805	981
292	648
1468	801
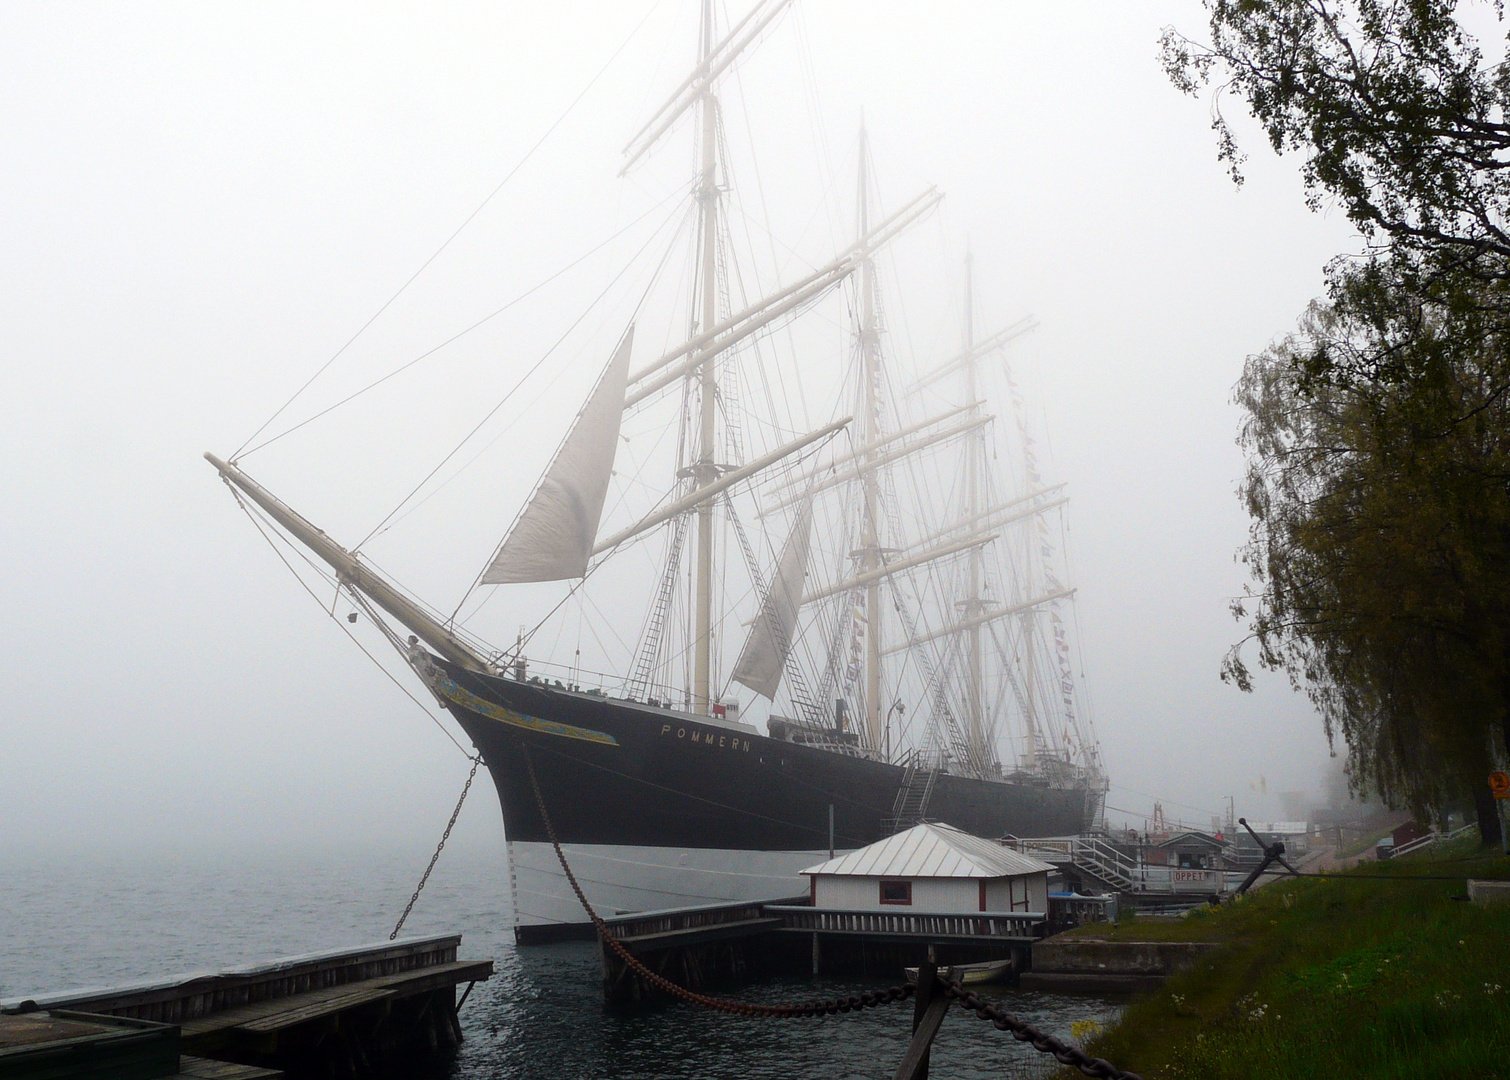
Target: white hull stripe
621	879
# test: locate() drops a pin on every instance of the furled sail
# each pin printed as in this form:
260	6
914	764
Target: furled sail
763	658
553	537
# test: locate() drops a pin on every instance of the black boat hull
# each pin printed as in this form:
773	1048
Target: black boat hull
660	809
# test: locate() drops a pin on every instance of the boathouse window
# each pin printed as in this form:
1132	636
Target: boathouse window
896	892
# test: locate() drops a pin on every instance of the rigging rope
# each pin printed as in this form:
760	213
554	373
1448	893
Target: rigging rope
401	289
512	391
257	524
454	337
476	581
476	761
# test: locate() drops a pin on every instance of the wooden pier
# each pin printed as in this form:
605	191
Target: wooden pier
352	1012
698	946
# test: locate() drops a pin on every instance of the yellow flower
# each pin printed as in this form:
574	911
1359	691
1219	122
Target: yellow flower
1081	1030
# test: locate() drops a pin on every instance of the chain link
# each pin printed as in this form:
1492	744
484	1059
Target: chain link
438	848
1041	1041
867	1000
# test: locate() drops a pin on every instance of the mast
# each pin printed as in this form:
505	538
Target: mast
870	542
710	338
705	471
972	604
1029	625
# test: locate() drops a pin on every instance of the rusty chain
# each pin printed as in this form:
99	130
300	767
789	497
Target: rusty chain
1041	1041
438	848
867	1000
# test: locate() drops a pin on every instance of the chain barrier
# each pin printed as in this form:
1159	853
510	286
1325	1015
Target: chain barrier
867	1000
1041	1041
438	848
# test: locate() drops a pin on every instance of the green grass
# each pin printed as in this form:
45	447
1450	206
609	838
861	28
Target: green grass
1331	978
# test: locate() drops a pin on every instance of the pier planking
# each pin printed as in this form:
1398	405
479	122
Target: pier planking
347	1009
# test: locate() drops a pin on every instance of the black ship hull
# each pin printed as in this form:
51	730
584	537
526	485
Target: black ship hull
661	809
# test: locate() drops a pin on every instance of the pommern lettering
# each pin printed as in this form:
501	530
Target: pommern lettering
705	738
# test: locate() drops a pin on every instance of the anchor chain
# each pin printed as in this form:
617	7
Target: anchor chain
438	848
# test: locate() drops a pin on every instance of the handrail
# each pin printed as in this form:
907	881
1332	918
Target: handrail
1433	837
1095	856
992	924
784	908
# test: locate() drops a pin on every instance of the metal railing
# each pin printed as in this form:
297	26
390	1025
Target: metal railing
1079	910
1431	838
1095	856
925	924
1088	853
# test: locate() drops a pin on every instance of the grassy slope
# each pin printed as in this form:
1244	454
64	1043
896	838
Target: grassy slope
1332	978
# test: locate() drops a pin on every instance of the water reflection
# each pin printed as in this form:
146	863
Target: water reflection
544	1011
66	923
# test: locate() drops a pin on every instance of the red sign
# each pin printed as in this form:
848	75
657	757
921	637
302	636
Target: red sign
1499	783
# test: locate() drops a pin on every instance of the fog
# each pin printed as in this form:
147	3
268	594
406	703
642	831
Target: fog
203	203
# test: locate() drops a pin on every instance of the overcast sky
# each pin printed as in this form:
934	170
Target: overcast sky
203	202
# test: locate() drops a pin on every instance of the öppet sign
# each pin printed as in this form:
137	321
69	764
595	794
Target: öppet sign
1499	783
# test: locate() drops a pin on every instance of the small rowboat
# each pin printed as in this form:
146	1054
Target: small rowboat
987	971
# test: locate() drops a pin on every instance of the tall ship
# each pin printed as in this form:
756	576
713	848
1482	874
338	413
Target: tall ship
836	580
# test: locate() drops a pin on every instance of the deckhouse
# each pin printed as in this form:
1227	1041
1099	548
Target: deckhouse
935	868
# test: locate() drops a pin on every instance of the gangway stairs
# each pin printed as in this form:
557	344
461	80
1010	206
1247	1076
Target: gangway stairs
1090	856
912	798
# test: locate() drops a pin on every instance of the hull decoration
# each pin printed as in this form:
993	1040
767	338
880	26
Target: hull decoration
458	696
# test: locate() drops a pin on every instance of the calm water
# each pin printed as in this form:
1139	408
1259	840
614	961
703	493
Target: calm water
68	922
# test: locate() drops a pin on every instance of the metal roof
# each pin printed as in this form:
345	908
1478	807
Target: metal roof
1188	836
932	851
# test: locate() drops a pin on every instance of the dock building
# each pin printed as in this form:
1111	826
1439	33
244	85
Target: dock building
932	867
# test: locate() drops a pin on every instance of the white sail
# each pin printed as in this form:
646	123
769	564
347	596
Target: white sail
553	537
763	657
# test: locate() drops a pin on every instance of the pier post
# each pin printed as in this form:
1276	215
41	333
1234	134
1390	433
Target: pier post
817	954
928	1011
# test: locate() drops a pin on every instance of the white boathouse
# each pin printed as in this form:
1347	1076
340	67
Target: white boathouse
931	868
